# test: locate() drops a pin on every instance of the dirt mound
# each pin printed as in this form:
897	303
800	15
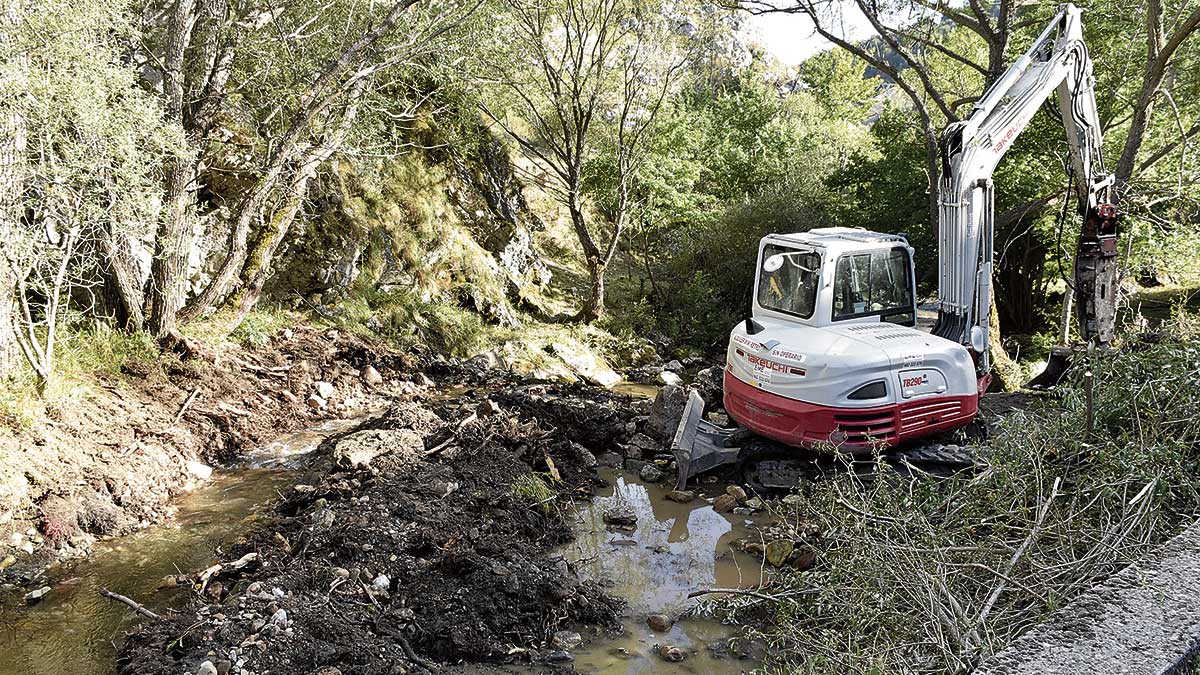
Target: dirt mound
442	555
76	475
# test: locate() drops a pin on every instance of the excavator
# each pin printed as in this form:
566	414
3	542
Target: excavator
830	355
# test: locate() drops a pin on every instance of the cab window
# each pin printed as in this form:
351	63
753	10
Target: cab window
788	280
878	283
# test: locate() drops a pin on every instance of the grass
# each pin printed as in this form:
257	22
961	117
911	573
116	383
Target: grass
85	349
532	487
934	575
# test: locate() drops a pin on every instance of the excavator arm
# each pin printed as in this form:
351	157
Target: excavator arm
1057	62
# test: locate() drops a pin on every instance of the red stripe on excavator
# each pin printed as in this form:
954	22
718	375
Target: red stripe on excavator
807	424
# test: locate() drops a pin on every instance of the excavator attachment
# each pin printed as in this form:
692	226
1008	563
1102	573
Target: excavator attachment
1056	369
700	445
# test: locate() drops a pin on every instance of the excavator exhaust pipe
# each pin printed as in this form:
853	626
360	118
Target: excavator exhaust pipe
1056	369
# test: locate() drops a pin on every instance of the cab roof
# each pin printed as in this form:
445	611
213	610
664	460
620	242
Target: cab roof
840	238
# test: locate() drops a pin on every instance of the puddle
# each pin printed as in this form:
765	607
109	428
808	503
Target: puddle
74	630
635	389
674	550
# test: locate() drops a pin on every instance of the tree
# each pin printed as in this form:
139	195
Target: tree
584	77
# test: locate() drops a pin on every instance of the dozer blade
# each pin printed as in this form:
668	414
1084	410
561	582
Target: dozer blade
700	445
1056	369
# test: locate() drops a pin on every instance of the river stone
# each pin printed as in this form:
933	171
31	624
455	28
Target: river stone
659	623
358	450
566	640
609	459
650	473
206	668
674	367
778	551
724	504
737	492
33	597
681	496
620	514
671	653
670	379
323	389
371	376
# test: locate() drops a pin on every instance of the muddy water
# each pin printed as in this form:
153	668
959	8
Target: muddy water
73	630
674	550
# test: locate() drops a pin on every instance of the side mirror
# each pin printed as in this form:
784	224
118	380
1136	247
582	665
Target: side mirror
773	263
978	339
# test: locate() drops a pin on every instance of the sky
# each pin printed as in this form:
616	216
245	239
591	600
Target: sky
791	37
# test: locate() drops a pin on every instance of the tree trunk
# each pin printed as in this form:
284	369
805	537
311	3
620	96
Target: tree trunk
122	278
12	187
593	306
173	243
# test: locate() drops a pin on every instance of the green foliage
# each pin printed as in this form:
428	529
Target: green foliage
909	566
408	320
532	487
257	327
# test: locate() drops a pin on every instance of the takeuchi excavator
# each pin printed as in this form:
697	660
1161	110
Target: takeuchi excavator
831	356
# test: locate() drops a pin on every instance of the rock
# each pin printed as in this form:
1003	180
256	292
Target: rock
621	514
323	389
370	376
224	666
803	559
359	449
315	402
34	597
484	361
737	492
198	470
659	623
566	640
724	504
422	380
382	581
559	656
645	444
27	547
287	333
673	366
665	412
650	473
488	408
755	504
778	551
792	499
280	618
671	653
710	383
586	364
668	378
634	465
206	668
288	396
7	562
681	496
609	459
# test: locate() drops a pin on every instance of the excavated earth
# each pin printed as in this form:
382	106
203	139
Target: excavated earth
74	476
422	537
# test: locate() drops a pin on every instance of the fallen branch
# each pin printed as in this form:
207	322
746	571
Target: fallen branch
437	449
753	594
186	404
140	609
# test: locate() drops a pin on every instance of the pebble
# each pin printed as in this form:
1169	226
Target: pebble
35	596
651	473
681	496
559	656
659	623
279	618
382	581
671	653
737	492
566	640
724	504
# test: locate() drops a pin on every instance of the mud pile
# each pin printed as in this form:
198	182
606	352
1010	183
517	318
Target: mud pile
422	536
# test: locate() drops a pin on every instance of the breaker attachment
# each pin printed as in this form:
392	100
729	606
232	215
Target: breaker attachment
1056	369
700	445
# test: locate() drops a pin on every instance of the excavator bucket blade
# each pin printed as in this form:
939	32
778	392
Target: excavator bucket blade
1056	369
700	445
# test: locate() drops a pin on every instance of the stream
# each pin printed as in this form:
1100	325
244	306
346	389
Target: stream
673	550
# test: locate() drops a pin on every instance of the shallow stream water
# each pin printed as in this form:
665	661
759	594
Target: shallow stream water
673	550
75	631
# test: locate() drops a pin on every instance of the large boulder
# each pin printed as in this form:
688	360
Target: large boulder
666	412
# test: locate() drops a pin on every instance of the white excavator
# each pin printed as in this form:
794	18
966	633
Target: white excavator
831	357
